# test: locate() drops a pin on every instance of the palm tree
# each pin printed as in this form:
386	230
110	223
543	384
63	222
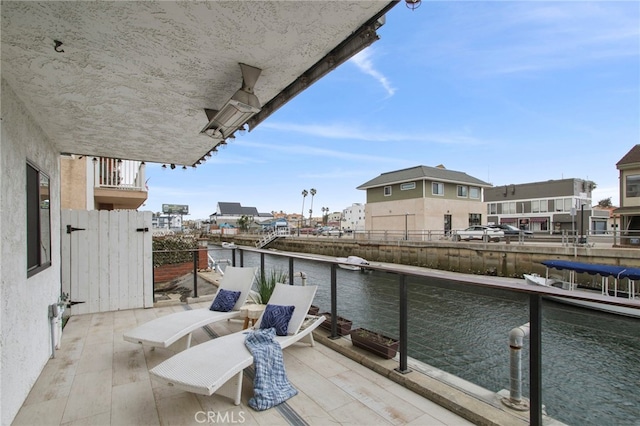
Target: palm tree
304	195
313	192
244	223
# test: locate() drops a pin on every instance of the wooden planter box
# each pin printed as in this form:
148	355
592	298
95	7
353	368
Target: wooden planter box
373	342
313	310
343	324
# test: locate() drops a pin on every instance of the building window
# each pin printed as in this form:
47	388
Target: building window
437	188
462	191
492	208
387	191
509	207
544	206
475	219
563	204
474	192
568	203
535	206
38	221
407	186
633	186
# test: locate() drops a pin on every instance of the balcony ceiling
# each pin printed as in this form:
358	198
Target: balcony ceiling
135	77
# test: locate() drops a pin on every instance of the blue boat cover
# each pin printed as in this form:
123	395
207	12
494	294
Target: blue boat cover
594	269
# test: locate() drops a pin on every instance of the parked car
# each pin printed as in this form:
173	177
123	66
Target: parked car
478	232
319	230
331	231
512	230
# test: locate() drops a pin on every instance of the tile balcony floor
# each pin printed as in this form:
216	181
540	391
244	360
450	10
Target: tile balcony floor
97	378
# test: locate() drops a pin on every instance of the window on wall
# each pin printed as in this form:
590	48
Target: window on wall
535	206
474	192
544	206
475	219
492	208
38	221
462	191
563	205
407	186
387	191
437	188
568	203
632	186
509	207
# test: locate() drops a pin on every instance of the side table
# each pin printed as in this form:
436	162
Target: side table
251	312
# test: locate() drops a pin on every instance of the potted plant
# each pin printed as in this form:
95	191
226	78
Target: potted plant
374	342
343	324
266	283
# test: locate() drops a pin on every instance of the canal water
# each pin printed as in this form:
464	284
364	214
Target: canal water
590	360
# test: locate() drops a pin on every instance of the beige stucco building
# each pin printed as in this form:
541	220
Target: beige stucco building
424	198
629	211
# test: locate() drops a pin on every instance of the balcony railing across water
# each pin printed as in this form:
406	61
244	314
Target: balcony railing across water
533	294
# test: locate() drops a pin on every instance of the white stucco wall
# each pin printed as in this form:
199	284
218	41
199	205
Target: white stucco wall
25	344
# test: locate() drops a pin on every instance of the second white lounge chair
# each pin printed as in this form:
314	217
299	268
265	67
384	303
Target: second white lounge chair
164	331
216	366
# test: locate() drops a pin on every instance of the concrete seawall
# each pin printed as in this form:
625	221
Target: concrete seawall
499	259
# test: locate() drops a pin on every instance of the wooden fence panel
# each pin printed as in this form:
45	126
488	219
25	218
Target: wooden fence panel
106	261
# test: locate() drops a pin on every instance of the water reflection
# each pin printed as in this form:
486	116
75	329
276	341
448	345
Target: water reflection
590	360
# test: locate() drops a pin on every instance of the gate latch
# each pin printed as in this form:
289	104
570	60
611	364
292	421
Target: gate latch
70	229
142	229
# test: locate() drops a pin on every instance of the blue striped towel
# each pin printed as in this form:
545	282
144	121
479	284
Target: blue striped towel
270	384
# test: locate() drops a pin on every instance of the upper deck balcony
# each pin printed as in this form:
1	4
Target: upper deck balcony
118	184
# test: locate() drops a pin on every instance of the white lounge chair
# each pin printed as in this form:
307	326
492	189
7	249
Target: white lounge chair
164	331
216	366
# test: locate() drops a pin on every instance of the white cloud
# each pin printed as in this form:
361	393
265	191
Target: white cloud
363	61
353	132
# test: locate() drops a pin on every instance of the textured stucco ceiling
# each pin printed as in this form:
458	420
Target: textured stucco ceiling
135	77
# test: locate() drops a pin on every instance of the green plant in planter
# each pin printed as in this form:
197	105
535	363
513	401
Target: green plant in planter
266	283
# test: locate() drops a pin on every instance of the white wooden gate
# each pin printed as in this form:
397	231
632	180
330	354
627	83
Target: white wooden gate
106	260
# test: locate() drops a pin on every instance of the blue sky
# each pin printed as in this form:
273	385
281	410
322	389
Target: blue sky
507	92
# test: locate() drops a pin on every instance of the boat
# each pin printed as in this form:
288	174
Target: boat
606	272
353	263
227	245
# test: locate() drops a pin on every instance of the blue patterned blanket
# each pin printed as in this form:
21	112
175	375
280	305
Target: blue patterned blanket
270	384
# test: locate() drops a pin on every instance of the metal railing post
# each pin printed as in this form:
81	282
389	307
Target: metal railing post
334	301
195	273
291	270
233	257
241	258
262	266
404	324
535	360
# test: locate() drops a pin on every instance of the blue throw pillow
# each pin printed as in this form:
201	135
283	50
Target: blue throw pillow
278	317
225	300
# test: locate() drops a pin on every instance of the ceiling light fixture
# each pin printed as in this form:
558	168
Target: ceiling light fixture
243	105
